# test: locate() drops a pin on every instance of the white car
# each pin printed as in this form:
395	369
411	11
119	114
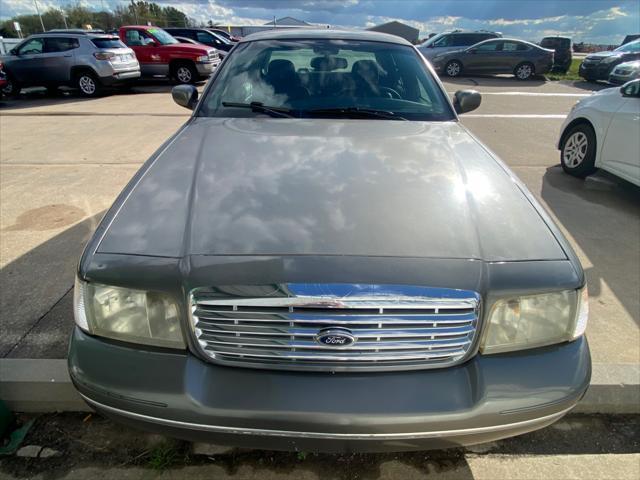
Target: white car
603	131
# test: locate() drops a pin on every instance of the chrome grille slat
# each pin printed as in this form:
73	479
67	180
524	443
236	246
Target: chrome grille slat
360	333
393	327
362	346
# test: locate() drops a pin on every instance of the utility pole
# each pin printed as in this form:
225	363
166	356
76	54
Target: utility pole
64	17
135	11
35	2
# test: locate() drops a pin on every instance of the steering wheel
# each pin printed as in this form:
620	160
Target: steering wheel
391	92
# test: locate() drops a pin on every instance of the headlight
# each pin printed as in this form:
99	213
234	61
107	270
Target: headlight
203	58
536	320
610	59
136	316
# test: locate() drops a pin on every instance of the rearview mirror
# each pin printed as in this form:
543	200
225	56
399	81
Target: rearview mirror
466	100
185	95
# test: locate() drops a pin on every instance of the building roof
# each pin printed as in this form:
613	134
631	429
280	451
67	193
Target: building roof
288	21
399	29
325	33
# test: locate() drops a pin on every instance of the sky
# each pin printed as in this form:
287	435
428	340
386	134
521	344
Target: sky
595	21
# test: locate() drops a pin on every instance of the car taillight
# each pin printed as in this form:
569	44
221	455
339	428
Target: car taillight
104	55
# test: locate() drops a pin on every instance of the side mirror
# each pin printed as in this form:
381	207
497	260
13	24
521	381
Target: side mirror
13	51
631	89
466	100
185	95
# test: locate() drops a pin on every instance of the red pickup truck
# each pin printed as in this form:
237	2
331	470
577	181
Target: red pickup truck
161	55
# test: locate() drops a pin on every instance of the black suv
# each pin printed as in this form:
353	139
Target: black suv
598	66
563	56
455	40
205	36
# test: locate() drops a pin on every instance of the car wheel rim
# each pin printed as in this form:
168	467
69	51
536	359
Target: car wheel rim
8	88
184	74
453	69
87	85
524	71
575	150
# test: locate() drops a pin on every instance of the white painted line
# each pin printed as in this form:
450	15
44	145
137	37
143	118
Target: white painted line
535	94
498	115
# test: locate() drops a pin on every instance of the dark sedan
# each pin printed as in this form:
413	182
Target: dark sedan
501	55
599	66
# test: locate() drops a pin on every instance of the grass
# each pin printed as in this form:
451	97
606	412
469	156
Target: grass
572	73
162	456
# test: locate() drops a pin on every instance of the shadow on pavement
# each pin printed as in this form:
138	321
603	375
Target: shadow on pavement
584	85
612	243
35	298
494	81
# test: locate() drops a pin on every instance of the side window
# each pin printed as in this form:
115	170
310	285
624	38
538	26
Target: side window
632	89
204	37
490	47
136	38
31	47
523	47
59	44
443	42
459	41
510	46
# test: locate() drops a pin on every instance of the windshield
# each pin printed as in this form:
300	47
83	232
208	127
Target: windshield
220	37
162	36
326	78
433	39
629	47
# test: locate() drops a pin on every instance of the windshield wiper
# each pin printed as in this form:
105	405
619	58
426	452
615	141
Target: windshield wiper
278	112
365	112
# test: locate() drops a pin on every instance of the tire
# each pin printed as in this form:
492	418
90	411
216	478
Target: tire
453	68
524	71
578	151
12	88
88	84
184	73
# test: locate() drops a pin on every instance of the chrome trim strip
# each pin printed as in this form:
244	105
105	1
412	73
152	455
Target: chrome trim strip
322	435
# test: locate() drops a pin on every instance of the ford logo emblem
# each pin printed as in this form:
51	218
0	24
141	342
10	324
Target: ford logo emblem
335	337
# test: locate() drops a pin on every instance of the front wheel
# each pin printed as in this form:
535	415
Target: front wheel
524	71
185	74
12	88
453	68
578	151
88	84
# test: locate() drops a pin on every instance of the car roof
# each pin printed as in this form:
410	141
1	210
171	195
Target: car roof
325	33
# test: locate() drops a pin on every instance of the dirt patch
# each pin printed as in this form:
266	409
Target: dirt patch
49	217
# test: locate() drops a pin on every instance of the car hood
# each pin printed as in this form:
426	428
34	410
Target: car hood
188	48
262	186
605	54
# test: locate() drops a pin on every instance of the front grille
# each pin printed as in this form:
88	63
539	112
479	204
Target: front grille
392	327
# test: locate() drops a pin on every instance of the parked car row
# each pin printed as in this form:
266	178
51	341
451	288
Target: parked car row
90	60
601	65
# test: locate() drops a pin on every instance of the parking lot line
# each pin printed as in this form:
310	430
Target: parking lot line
525	115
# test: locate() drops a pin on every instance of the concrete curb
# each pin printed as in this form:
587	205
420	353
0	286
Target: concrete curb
35	385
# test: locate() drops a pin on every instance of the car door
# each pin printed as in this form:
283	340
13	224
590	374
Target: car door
147	51
512	54
621	147
58	58
28	62
483	57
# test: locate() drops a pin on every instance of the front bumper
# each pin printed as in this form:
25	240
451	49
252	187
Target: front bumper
205	68
622	79
595	71
120	77
177	394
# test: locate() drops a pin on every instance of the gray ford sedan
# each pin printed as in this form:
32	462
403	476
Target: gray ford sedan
323	258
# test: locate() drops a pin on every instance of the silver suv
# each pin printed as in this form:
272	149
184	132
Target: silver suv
84	60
